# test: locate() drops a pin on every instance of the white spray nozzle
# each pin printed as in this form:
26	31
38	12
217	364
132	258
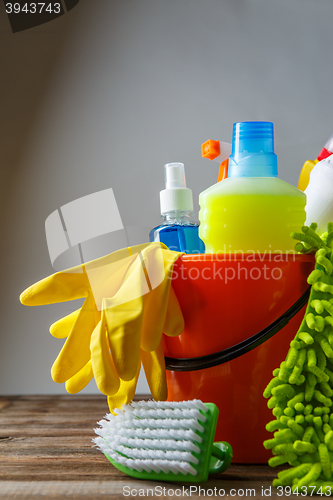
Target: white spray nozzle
176	196
174	175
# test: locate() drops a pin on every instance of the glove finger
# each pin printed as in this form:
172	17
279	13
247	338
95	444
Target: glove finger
75	353
106	377
62	328
80	380
106	280
155	308
124	325
174	320
159	264
154	366
106	274
124	314
125	393
59	287
73	283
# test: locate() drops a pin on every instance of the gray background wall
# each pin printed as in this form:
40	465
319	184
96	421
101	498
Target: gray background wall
105	95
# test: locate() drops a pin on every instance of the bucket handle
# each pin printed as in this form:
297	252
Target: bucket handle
218	358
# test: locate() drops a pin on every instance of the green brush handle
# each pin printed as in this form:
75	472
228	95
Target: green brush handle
221	457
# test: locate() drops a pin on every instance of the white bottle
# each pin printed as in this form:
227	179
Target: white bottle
319	195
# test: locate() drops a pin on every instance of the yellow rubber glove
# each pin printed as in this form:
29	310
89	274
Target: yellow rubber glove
129	303
154	366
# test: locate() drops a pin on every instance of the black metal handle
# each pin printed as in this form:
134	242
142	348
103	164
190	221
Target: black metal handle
218	358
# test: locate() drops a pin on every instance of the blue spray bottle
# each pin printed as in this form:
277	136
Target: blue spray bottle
179	230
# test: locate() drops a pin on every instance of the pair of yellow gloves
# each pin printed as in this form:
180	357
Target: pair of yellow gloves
129	303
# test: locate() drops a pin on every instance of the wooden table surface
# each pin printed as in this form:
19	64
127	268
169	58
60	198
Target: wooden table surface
46	453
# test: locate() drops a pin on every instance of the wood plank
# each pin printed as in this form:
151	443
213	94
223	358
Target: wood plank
116	490
47	425
4	402
46	451
57	403
53	404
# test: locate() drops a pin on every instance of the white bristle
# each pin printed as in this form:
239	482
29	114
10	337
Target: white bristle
160	413
154	423
147	464
154	436
176	434
130	420
194	403
177	413
181	456
148	443
157	444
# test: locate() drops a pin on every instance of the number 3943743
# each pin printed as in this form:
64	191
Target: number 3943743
33	7
303	491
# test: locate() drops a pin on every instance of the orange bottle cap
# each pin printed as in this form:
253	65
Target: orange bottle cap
210	149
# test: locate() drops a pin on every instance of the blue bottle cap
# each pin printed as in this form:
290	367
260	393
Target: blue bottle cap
253	150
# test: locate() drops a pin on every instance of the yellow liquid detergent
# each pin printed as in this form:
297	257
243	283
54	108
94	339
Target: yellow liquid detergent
252	211
253	214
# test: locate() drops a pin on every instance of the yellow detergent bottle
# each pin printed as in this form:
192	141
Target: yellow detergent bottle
252	211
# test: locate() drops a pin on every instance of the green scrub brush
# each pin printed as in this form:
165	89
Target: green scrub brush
301	392
164	441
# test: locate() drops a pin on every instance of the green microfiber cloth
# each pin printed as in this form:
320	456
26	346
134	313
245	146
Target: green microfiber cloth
301	392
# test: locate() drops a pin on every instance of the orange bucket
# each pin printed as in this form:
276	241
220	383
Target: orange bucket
241	311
